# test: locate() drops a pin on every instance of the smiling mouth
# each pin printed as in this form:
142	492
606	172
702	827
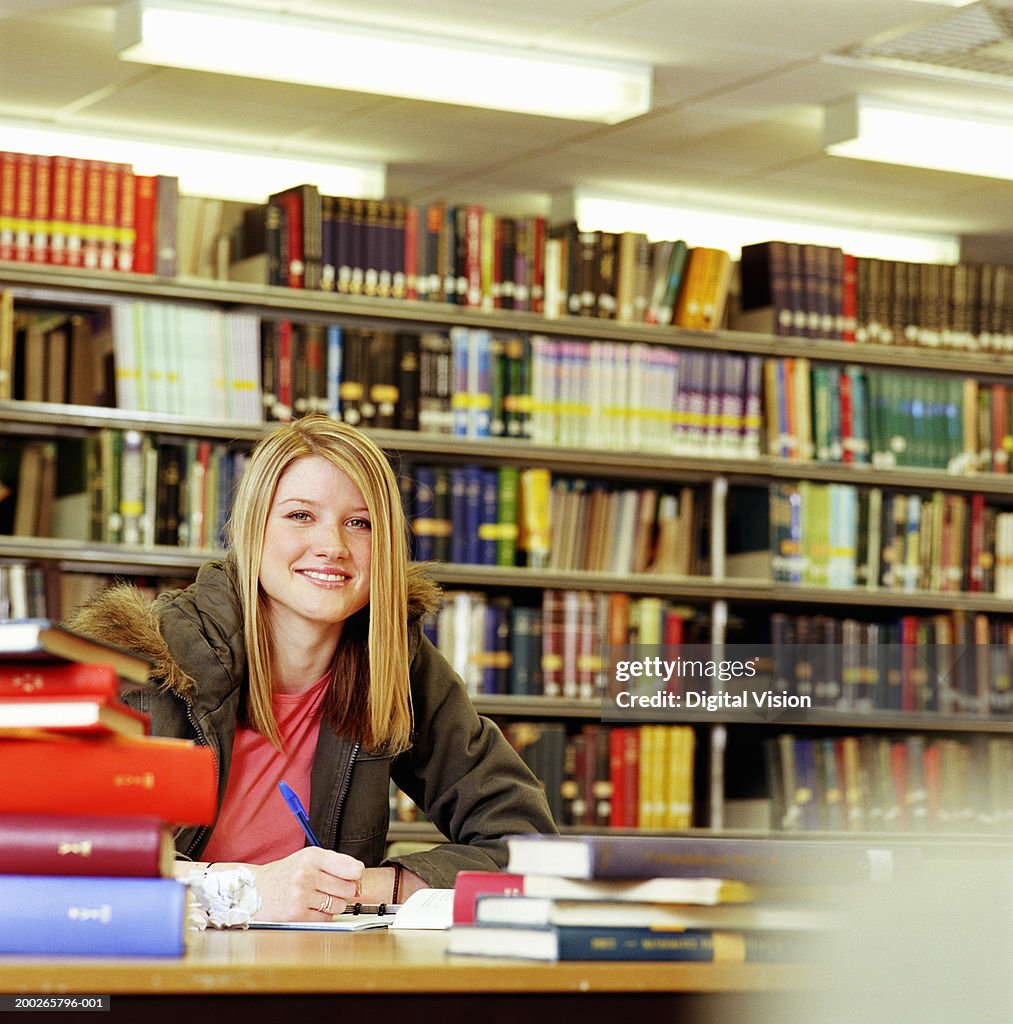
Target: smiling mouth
325	576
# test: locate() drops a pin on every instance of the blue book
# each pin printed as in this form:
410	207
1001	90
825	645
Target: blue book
488	526
43	915
335	359
459	515
424	518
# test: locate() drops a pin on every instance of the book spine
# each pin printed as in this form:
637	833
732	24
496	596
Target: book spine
175	782
46	915
78	845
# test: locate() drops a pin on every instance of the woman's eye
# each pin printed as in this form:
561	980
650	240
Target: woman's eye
362	524
300	517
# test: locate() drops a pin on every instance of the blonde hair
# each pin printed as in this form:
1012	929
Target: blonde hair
369	698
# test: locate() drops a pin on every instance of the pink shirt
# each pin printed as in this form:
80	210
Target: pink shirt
255	825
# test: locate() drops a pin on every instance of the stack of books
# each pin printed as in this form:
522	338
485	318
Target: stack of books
663	898
86	817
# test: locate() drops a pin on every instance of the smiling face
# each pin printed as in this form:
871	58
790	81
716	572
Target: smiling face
314	572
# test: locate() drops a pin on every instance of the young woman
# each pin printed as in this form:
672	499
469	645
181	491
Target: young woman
301	657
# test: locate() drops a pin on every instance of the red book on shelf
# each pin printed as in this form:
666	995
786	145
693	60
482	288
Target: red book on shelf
91	227
145	214
75	223
8	202
121	776
24	208
42	190
44	844
126	220
59	210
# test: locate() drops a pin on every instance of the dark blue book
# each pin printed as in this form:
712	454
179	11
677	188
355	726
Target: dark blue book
423	513
488	524
459	514
46	915
590	942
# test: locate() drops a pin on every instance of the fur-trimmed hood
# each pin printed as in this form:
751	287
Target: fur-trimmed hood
202	622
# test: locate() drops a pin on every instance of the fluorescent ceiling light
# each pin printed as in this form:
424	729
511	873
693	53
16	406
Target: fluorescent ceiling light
286	48
248	175
869	129
730	230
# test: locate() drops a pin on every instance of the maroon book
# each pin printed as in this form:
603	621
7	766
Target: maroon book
45	844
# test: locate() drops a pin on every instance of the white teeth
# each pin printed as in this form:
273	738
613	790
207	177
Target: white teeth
325	577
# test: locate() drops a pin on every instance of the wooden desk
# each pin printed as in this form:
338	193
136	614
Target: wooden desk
275	975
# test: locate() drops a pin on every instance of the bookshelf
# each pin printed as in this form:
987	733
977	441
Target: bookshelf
724	600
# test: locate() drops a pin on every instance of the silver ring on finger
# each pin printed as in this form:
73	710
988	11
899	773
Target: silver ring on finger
325	906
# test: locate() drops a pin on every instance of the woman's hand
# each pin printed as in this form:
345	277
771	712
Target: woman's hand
311	884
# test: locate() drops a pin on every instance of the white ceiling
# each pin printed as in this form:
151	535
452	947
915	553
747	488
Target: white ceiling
736	121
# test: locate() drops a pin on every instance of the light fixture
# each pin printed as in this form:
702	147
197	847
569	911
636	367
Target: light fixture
721	227
249	175
287	48
870	129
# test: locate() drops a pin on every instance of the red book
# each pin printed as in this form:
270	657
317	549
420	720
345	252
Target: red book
41	199
121	776
8	202
76	213
469	885
24	207
616	756
537	256
59	210
473	255
847	403
292	202
70	679
43	844
145	214
126	221
91	225
849	297
109	213
283	350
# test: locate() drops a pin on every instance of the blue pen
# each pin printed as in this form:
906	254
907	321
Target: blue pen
296	807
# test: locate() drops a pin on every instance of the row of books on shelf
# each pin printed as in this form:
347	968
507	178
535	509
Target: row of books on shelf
121	487
603	776
202	362
472	382
816	291
557	649
885	418
466	254
882	783
86	837
95	214
141	356
62	211
40	590
510	516
839	535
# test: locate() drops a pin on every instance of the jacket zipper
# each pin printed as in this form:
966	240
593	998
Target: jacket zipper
201	741
339	803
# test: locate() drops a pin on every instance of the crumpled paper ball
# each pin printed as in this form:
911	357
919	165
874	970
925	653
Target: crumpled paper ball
222	899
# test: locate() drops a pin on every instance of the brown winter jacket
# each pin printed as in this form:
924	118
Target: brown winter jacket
459	770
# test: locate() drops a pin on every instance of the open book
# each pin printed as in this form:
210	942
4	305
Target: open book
427	909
